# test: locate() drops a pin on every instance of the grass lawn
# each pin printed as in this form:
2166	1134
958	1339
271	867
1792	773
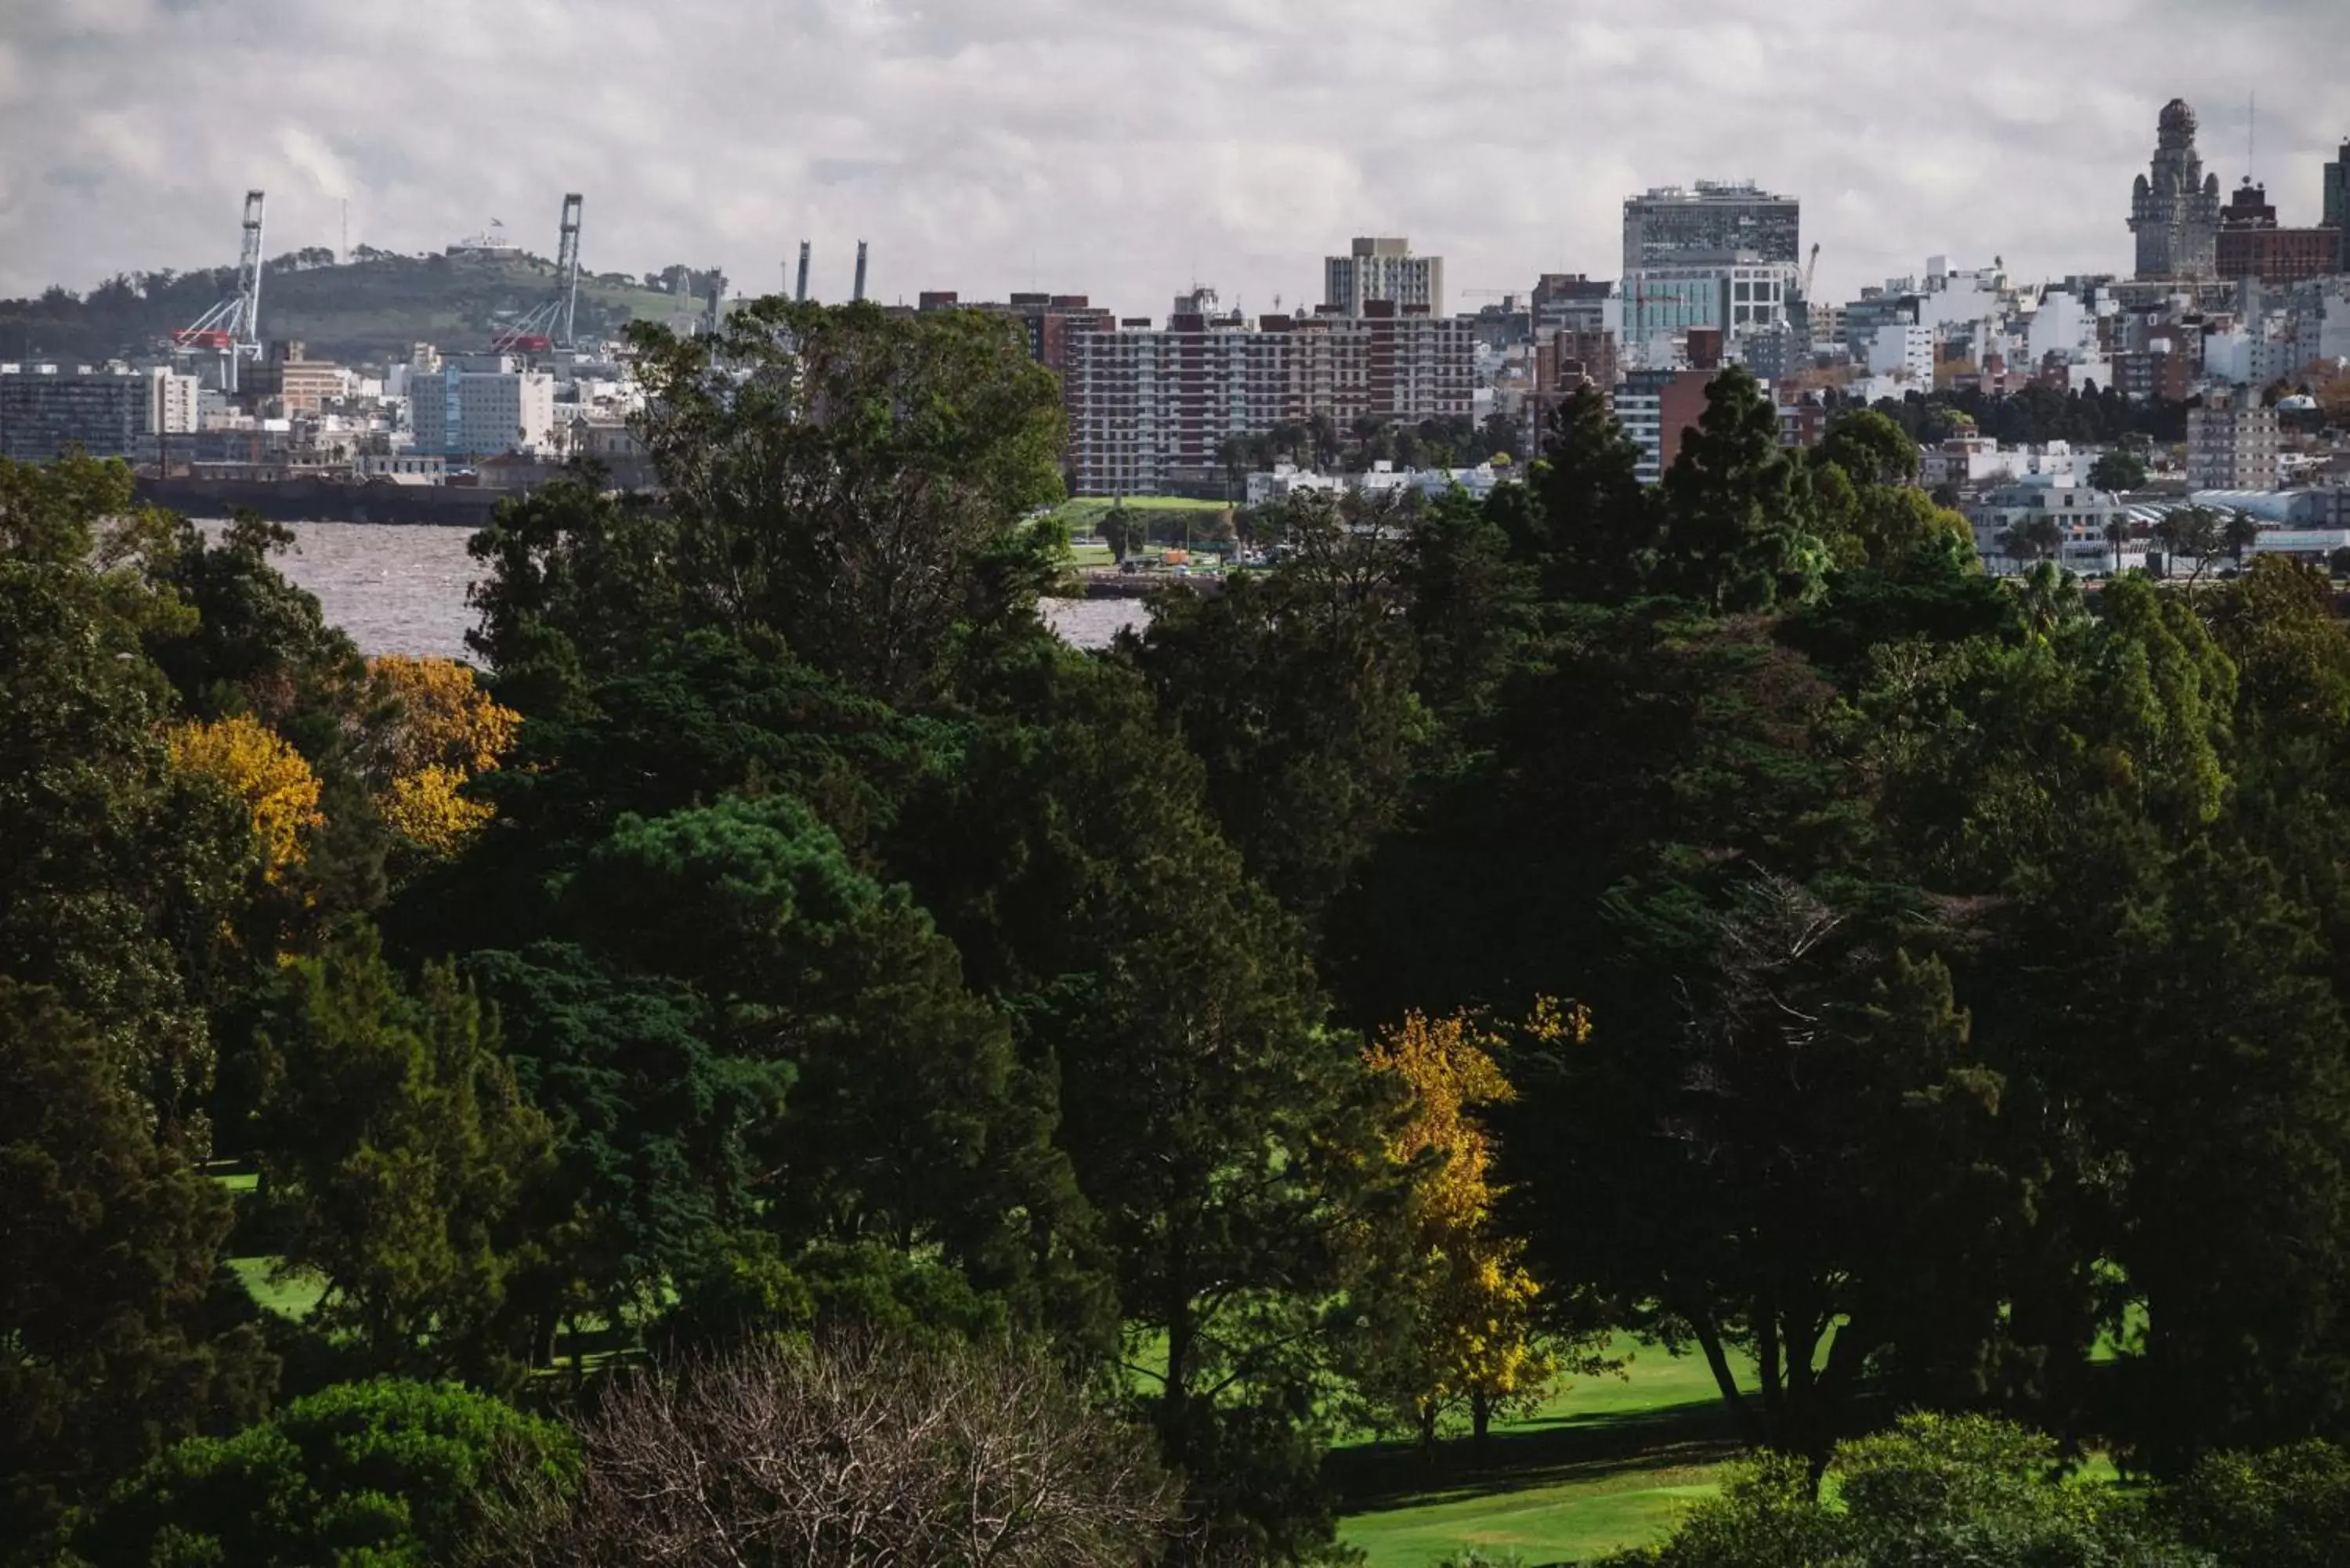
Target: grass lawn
1083	514
1609	1463
1571	1521
290	1298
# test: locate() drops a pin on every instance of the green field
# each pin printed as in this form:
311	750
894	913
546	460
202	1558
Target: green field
1083	515
291	1298
1609	1463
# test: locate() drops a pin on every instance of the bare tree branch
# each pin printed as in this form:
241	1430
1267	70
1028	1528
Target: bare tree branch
846	1452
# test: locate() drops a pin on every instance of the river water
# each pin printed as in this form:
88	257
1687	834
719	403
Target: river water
401	589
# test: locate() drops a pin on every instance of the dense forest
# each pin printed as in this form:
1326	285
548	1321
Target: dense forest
791	1064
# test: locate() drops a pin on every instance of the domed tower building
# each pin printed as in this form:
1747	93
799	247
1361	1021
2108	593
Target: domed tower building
2175	208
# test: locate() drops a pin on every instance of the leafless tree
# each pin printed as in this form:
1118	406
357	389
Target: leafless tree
846	1452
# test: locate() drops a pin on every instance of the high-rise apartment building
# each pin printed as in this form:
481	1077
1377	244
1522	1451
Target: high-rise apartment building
2231	444
1050	321
2336	204
1150	408
175	402
2175	207
46	413
1713	221
1382	269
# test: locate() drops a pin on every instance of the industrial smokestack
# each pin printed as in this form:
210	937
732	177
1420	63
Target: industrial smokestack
802	296
860	295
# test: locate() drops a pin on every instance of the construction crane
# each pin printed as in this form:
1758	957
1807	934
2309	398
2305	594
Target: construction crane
549	324
1810	268
233	327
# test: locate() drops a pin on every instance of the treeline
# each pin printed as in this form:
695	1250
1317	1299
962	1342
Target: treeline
1717	911
377	305
1453	442
2035	415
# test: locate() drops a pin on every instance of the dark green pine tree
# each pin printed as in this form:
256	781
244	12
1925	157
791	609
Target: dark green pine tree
394	1147
1737	511
117	1337
654	1161
1221	1135
2221	1078
119	878
1593	532
1471	604
1294	688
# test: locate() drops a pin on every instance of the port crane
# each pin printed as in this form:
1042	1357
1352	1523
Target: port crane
549	324
232	329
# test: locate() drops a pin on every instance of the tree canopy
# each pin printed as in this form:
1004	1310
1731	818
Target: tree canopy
784	980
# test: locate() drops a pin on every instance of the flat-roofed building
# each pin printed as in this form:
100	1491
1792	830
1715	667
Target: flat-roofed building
1151	407
1382	268
480	412
1672	224
2252	246
2233	444
46	411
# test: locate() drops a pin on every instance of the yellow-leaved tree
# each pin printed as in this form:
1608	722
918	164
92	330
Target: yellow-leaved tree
448	731
279	791
1464	1331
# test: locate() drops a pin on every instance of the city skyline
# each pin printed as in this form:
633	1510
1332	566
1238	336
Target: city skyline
1124	151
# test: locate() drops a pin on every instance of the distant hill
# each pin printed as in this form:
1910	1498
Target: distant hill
369	310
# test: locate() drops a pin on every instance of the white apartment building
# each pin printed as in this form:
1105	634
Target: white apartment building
2254	354
1382	268
1969	460
2082	517
474	413
2231	444
174	401
1904	351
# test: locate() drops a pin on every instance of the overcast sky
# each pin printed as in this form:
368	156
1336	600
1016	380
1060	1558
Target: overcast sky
1127	148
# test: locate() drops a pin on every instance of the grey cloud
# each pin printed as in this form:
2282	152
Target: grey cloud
1127	147
841	170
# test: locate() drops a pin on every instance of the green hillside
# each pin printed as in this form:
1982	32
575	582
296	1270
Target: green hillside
367	310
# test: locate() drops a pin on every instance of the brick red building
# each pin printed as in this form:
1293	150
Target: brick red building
2252	246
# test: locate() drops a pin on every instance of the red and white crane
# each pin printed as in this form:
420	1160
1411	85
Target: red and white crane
548	323
233	327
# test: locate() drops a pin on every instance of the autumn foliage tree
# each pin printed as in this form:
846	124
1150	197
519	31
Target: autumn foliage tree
448	731
279	791
1467	1324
